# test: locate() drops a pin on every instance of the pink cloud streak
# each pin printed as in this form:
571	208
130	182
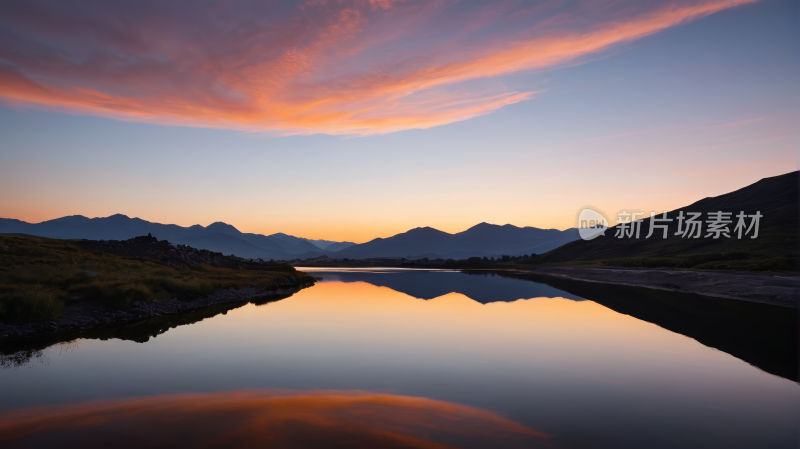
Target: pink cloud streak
342	68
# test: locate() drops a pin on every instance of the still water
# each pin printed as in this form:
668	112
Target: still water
402	358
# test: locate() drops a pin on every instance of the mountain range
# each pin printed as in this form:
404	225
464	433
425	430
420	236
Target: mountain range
220	237
482	240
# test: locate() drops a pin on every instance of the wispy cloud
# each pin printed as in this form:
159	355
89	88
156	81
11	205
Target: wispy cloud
355	67
739	124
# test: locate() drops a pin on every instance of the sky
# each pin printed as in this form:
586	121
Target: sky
351	120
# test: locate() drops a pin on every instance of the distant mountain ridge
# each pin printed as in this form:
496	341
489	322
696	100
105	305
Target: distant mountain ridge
482	240
219	236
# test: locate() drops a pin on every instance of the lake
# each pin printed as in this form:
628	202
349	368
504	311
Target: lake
422	358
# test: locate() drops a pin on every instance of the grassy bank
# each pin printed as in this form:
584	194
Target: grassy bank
39	275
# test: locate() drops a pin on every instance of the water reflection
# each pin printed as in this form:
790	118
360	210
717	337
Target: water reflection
763	335
21	358
261	418
15	354
481	286
580	371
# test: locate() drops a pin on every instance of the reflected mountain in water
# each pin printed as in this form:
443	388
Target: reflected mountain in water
482	286
763	335
259	419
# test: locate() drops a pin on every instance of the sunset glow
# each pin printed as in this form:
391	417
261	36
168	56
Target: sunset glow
351	68
353	120
398	224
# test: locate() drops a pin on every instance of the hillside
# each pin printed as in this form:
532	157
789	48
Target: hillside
39	276
776	198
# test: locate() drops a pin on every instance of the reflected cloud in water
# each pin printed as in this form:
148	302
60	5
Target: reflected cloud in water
267	418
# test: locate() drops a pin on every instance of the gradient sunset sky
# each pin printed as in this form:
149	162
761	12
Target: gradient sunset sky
350	120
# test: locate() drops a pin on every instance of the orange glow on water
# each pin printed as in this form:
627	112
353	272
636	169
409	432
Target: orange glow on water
352	364
342	313
272	419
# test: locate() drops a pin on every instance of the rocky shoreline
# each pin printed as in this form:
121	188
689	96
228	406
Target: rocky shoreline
77	319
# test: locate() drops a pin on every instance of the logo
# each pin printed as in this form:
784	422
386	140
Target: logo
591	223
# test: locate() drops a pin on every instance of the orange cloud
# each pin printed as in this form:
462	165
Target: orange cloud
256	419
346	68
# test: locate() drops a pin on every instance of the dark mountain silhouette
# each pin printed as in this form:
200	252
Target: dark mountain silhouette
326	244
294	245
512	240
275	243
776	198
219	236
415	241
175	256
482	240
338	246
228	244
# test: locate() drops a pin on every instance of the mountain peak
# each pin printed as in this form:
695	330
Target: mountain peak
73	219
219	226
483	225
487	226
116	218
425	230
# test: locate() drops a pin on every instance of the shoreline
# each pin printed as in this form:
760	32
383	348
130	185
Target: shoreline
782	291
77	319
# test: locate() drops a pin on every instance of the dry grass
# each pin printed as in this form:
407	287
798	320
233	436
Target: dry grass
37	275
